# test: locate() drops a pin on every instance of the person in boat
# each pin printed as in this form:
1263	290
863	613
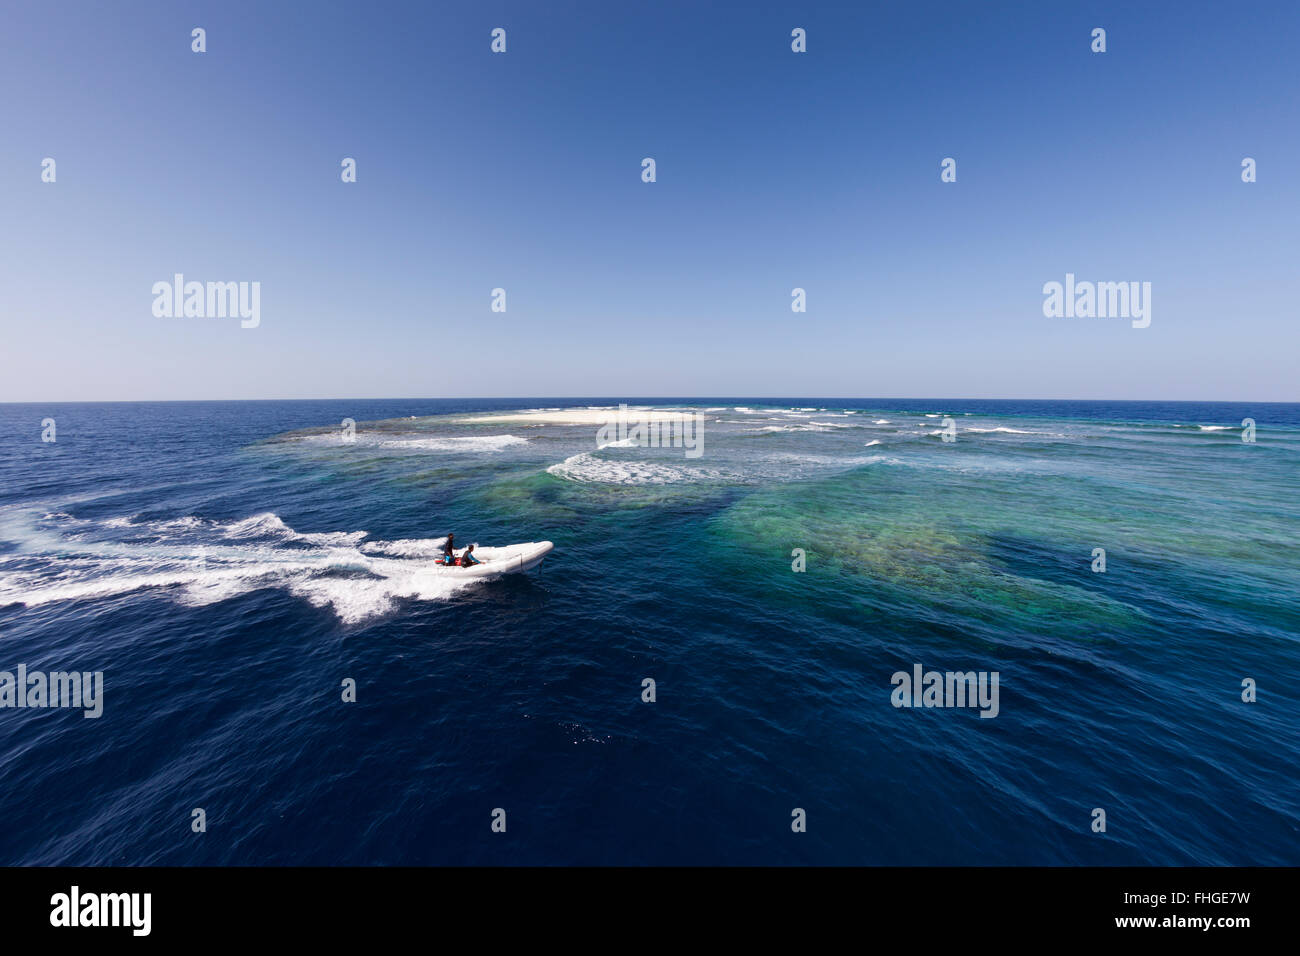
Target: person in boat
467	560
447	550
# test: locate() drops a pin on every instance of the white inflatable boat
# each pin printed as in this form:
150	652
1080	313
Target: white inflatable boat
504	560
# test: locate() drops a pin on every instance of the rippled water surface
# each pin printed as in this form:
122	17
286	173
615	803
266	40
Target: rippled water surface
228	565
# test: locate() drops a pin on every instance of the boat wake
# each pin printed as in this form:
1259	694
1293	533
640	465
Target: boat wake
55	557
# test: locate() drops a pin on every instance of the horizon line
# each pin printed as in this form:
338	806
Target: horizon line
681	399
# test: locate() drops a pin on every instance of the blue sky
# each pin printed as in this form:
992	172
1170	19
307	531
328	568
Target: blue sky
523	171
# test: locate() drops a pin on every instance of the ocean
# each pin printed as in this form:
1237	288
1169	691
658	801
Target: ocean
228	566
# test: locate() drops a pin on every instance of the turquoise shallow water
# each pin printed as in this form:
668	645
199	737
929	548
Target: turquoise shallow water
226	563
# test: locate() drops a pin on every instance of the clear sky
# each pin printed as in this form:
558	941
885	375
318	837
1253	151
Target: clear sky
775	170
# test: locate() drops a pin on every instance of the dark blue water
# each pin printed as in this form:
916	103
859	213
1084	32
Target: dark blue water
228	565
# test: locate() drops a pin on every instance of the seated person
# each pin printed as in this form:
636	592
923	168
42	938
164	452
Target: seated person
467	560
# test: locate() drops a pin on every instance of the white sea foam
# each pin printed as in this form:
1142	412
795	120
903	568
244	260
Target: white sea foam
419	443
357	579
489	443
258	525
832	462
576	416
405	548
807	427
160	528
587	467
599	468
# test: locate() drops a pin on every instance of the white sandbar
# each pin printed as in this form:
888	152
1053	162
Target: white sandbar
579	416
